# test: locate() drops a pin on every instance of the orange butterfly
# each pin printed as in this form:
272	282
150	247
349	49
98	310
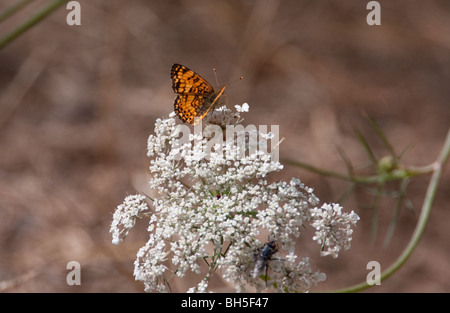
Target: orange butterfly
196	97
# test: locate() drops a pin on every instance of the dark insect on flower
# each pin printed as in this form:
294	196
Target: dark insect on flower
263	257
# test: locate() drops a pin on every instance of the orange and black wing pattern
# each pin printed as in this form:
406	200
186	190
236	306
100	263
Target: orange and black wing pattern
195	97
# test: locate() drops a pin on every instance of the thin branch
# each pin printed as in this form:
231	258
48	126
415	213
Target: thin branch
383	138
366	146
12	10
421	224
8	38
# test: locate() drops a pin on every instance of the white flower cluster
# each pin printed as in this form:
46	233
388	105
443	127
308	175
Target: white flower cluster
291	276
333	228
125	216
214	202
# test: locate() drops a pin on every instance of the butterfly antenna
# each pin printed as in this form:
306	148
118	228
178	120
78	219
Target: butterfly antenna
217	82
240	78
215	76
232	82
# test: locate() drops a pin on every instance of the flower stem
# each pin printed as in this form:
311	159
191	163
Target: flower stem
370	179
12	10
8	38
423	218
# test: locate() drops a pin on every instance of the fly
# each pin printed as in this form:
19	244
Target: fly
263	257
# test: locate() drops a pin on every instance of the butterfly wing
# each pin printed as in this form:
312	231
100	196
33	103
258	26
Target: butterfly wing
185	81
189	106
195	97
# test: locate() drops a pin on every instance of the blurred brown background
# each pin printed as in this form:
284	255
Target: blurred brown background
77	104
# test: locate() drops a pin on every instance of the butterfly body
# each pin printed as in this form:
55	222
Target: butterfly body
196	97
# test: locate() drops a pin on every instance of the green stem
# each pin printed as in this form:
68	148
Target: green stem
318	170
422	222
12	10
8	38
394	175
